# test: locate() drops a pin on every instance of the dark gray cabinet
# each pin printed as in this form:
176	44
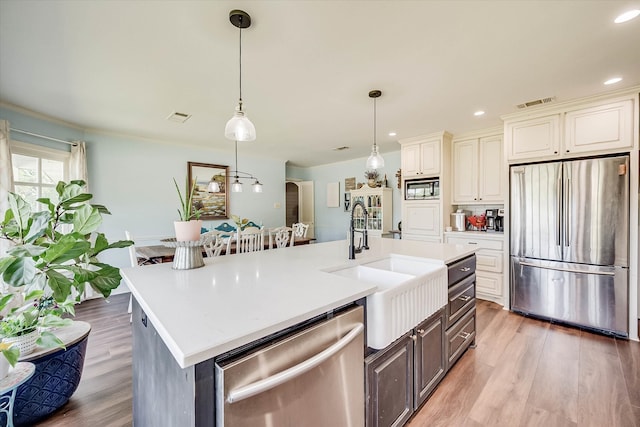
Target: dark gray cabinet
389	384
429	358
402	376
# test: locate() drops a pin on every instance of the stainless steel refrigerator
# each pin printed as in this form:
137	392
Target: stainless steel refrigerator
570	242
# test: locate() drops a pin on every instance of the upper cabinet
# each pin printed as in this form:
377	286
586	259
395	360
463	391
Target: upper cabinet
421	158
539	137
600	126
477	172
603	127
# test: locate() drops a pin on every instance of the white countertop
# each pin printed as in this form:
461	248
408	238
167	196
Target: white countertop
236	299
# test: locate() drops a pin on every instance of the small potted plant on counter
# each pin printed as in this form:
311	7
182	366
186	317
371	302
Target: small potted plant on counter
372	178
190	225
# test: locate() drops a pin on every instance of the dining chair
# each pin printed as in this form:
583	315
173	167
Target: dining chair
281	237
299	230
250	239
219	241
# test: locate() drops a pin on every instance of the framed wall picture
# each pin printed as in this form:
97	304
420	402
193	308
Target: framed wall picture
212	205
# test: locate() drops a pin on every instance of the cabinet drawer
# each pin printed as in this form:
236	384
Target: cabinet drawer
459	337
461	299
488	260
479	242
461	269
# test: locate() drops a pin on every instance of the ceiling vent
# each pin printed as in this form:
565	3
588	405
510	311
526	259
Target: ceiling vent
178	117
344	147
536	102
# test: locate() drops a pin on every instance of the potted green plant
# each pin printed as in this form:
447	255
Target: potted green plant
52	259
372	178
189	226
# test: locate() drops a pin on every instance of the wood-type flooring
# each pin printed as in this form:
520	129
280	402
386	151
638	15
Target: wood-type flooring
523	372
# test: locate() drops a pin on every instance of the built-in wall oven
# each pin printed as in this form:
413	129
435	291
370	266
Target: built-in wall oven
309	378
422	189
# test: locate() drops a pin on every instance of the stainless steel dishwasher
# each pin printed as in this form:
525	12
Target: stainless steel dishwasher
314	377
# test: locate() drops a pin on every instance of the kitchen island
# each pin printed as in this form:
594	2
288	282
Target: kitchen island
199	314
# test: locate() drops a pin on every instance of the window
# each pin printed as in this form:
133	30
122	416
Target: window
37	170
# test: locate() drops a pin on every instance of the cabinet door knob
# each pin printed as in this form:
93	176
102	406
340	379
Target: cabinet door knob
420	331
555	152
567	151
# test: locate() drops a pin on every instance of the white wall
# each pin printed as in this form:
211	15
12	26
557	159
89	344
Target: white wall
333	223
133	178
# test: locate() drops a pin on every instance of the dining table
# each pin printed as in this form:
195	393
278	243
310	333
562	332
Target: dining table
156	254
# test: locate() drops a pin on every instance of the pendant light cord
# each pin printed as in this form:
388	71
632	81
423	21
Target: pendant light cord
374	125
240	56
236	160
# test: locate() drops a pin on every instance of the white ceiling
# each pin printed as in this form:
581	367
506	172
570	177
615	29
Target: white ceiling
308	66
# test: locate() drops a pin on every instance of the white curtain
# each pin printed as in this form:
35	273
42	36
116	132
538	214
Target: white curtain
78	163
6	175
6	185
78	170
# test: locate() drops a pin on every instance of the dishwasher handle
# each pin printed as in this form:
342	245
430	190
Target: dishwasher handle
268	383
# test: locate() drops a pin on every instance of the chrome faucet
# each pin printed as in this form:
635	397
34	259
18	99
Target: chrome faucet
365	239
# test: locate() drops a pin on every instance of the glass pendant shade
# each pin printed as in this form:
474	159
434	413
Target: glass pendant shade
213	187
236	187
257	187
240	128
375	160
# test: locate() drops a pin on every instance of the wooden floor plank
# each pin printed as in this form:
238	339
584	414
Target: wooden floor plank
536	417
629	353
602	395
504	397
555	386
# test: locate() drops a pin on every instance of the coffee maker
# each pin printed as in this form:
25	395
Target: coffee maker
499	222
495	220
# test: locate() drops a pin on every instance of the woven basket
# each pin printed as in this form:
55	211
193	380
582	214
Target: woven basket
25	343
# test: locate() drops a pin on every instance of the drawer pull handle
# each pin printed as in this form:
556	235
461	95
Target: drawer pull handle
464	335
420	331
464	298
473	243
465	269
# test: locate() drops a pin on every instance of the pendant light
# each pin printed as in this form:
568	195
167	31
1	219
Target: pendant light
236	185
375	160
239	127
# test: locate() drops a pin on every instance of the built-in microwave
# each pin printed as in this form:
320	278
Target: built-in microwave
422	189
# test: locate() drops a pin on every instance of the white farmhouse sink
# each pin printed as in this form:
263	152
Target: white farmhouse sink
410	289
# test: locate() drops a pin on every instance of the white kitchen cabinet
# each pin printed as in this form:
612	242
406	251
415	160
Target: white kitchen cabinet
599	125
531	138
421	220
421	158
602	127
379	209
477	175
489	261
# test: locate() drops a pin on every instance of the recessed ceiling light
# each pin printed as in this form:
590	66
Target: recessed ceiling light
392	134
627	16
478	113
613	80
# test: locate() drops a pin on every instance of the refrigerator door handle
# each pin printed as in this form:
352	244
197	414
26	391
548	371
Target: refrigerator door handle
568	270
567	213
558	210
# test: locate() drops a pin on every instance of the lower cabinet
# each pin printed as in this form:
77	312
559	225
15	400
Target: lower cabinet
389	384
400	377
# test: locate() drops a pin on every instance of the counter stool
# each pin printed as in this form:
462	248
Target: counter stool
17	376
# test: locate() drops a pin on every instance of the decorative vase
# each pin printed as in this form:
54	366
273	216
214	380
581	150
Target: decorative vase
4	366
26	343
187	230
372	183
